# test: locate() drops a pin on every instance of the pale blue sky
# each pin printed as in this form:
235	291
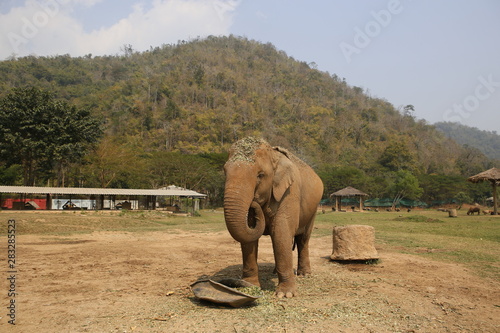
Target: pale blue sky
441	56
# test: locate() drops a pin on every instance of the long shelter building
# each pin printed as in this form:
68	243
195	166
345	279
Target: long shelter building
98	198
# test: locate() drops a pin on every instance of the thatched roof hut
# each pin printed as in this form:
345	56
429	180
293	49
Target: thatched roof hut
348	192
493	176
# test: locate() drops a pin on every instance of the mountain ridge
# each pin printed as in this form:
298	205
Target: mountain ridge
487	142
199	97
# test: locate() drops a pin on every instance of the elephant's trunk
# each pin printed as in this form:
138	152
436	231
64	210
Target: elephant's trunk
244	217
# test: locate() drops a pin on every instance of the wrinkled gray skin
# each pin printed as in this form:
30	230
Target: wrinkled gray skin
270	191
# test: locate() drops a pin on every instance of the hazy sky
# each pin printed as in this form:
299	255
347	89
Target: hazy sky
441	56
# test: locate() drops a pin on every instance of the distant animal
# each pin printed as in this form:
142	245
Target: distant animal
473	210
486	212
398	210
376	210
409	210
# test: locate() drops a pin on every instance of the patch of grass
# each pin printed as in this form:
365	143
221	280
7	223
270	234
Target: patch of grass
64	223
417	218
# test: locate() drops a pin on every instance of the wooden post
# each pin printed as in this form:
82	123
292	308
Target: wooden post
48	202
495	198
336	203
360	203
100	202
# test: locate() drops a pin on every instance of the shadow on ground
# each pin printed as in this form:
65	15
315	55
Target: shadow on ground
268	279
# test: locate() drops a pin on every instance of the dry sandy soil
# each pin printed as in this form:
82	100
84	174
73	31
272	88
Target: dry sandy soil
139	282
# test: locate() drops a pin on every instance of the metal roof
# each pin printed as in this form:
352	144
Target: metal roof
166	191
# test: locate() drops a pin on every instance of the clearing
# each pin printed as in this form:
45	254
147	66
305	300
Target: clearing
116	272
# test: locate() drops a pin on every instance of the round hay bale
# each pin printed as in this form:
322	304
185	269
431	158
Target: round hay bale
354	242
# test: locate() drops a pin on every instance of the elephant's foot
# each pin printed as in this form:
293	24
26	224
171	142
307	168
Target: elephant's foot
304	271
253	280
287	290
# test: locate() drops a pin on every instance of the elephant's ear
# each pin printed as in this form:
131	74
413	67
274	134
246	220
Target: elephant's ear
283	174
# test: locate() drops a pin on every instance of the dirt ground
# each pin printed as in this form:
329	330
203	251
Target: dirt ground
139	282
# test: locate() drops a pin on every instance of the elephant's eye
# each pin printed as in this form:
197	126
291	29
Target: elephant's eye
260	175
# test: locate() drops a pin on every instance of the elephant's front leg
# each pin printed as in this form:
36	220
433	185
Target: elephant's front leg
283	256
250	266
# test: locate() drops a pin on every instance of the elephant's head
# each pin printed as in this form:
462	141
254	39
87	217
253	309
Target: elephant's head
256	173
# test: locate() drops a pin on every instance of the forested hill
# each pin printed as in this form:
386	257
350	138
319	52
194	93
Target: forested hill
198	97
486	141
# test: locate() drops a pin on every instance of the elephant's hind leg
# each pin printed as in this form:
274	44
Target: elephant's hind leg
302	242
304	264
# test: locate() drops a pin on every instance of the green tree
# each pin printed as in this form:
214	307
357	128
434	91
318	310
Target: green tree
409	111
405	185
336	178
472	161
11	175
462	197
173	168
39	132
111	164
202	172
397	156
441	188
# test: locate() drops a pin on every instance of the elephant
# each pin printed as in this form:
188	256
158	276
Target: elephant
473	210
270	191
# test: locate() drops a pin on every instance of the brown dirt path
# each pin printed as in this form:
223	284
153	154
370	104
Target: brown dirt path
139	282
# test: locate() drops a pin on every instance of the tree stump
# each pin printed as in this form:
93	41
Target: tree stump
354	242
